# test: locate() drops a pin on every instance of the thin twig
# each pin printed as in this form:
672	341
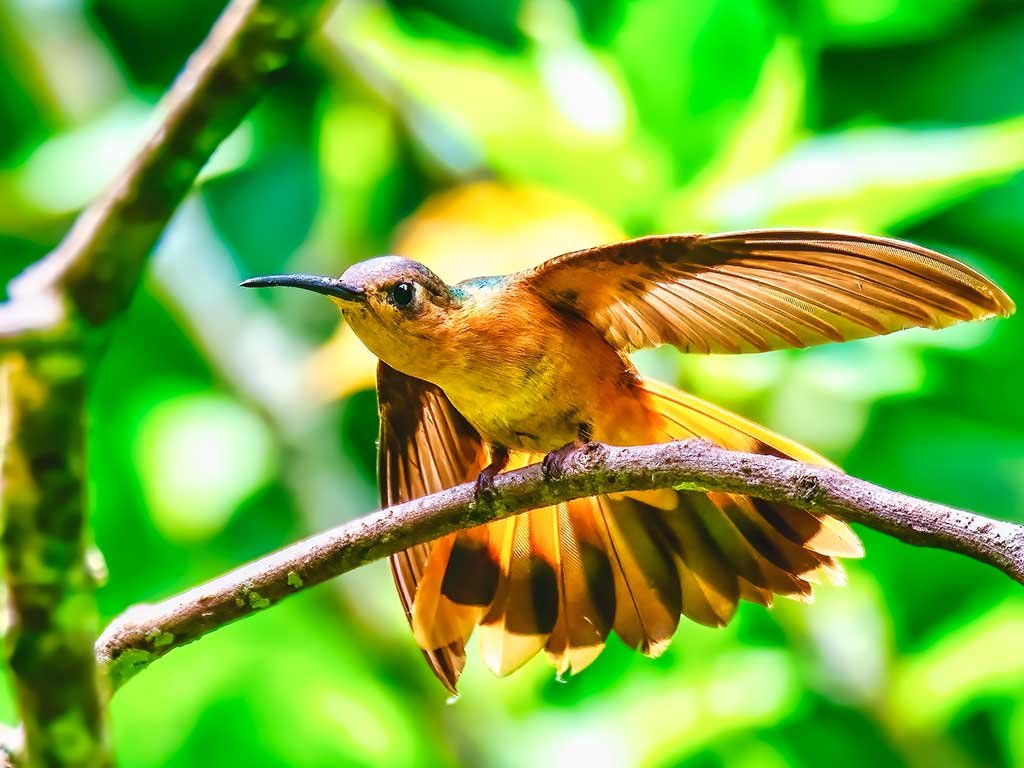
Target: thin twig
145	633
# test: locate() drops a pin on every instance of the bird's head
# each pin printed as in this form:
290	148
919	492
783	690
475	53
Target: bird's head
397	307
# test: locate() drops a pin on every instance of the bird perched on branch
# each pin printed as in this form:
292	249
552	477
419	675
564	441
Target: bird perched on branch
503	371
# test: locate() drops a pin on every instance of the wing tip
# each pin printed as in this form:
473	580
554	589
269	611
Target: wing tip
1005	306
995	302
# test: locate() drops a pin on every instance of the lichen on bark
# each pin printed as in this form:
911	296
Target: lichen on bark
44	540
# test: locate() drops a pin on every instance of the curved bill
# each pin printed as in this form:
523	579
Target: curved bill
328	286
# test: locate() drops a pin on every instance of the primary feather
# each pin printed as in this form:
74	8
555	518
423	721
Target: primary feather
762	290
425	447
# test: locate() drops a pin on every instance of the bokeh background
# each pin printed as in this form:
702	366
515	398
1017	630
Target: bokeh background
485	136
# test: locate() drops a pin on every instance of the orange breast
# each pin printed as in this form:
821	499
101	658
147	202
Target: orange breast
527	376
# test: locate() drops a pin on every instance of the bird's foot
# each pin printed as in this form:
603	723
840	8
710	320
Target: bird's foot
484	487
554	464
485	482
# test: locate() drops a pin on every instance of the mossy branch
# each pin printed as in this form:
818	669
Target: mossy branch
52	611
52	331
147	632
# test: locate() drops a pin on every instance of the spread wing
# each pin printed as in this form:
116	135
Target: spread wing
762	290
425	446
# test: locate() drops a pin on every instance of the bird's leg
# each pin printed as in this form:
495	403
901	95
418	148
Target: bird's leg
553	465
499	460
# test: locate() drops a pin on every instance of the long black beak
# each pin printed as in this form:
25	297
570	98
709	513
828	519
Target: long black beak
328	286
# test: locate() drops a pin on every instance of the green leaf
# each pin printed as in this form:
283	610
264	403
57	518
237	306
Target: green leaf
863	179
556	113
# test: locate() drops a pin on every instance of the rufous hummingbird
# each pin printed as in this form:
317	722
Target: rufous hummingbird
501	371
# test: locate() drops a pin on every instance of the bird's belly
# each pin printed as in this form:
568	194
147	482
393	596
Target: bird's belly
566	392
533	379
538	432
523	420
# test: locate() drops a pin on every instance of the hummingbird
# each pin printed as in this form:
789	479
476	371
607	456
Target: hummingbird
499	372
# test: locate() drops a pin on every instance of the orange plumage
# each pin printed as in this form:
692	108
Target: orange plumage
498	372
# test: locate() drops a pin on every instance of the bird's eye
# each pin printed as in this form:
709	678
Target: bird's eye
402	294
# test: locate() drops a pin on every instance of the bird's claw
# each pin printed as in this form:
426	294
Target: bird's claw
554	464
484	486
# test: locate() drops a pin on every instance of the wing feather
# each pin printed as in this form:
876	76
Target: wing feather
761	290
426	446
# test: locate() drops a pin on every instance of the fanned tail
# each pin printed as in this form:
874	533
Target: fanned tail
562	578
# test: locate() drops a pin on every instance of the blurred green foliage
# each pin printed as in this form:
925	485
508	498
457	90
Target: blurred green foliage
903	117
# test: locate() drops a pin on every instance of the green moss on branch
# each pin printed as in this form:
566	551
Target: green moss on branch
44	542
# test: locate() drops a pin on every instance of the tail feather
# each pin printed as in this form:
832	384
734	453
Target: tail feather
510	634
471	575
586	609
820	533
714	511
447	661
708	582
586	590
795	542
753	594
647	593
693	417
768	541
437	620
562	578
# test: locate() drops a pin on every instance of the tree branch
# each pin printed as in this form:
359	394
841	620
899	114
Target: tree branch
51	331
92	274
53	616
145	633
